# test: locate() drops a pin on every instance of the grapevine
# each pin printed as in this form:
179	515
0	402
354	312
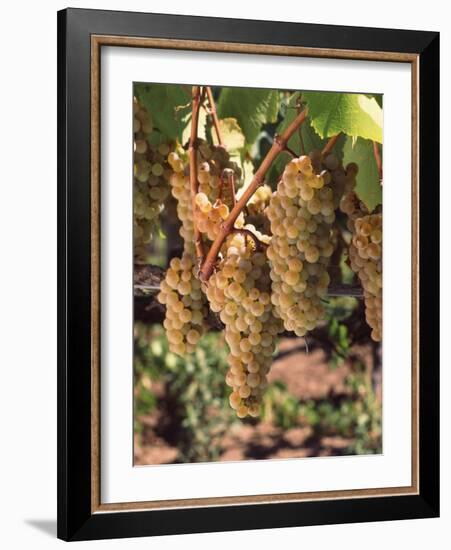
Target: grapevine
258	258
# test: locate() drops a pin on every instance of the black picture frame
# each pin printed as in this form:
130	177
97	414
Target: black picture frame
76	520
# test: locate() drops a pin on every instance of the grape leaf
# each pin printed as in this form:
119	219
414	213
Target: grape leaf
368	189
169	106
251	107
231	134
353	114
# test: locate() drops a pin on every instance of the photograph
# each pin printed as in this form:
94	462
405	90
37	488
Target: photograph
257	273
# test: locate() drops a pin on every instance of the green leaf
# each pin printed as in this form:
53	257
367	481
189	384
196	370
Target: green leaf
169	106
353	114
368	186
251	107
231	134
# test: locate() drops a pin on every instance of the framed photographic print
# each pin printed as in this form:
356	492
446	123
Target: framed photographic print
248	274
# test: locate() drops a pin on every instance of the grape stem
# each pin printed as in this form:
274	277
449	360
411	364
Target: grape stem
301	140
226	227
330	144
291	152
378	159
212	112
192	151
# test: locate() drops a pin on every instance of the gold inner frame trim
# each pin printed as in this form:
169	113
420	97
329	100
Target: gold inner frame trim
97	41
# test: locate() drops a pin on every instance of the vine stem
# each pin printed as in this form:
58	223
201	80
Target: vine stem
277	147
147	279
378	159
330	144
291	152
213	114
192	152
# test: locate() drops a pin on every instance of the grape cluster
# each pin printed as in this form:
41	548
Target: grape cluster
301	212
181	293
181	290
365	254
239	291
151	173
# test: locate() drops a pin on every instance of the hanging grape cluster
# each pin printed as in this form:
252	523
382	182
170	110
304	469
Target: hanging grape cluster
180	291
301	212
239	291
150	183
365	255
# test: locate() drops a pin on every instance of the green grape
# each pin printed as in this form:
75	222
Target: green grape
301	213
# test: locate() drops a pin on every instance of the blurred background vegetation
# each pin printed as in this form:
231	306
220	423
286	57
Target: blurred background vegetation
322	400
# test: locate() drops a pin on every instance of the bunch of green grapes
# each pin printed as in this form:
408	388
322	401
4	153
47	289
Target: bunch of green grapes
301	212
150	183
213	205
365	255
181	290
181	293
239	291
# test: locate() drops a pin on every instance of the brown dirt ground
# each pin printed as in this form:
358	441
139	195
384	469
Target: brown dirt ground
307	376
